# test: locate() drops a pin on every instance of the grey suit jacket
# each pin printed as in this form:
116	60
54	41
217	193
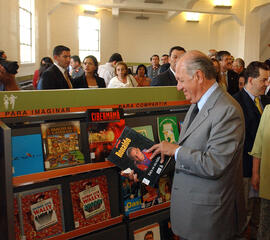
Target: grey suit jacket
207	195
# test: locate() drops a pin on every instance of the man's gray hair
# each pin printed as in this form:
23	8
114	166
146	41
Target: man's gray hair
202	63
240	62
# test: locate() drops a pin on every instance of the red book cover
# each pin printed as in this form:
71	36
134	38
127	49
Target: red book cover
16	219
105	127
90	201
42	214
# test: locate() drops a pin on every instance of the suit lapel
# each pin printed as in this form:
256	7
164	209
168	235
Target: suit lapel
250	105
200	117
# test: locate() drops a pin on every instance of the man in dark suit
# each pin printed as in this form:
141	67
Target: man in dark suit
167	78
256	81
56	76
207	194
229	78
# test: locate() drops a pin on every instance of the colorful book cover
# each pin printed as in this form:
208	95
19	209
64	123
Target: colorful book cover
146	131
61	143
150	196
105	126
168	129
42	214
17	229
165	185
130	152
131	193
150	232
27	155
90	201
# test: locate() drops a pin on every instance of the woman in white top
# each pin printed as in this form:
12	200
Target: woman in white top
122	78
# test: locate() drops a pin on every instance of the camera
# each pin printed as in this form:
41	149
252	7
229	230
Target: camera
10	67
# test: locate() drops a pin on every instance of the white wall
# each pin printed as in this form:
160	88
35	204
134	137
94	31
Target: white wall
135	39
140	39
227	36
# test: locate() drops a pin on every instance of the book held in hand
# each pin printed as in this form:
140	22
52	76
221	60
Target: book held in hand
130	151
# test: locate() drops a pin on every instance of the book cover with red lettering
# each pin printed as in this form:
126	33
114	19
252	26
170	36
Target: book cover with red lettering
90	201
105	126
150	232
130	153
61	141
41	212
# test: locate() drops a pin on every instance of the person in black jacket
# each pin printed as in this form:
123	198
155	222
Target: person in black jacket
167	78
56	76
229	78
256	81
90	78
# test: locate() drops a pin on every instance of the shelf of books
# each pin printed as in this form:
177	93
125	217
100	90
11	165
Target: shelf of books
61	160
88	229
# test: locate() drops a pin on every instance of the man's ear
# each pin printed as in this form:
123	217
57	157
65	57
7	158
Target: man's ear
55	58
250	80
199	76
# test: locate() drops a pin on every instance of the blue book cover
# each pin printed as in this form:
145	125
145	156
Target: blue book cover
131	195
27	155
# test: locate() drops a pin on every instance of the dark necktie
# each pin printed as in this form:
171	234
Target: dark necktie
193	115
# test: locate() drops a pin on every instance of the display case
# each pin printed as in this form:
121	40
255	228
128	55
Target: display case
22	115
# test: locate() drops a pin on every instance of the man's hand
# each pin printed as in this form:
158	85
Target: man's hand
163	148
255	181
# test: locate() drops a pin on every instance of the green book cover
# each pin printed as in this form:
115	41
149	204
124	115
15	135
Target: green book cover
168	129
146	131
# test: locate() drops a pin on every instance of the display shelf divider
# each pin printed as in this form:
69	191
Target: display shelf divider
149	210
44	176
88	229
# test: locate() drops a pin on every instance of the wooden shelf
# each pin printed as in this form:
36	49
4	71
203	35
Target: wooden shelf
88	229
44	176
149	210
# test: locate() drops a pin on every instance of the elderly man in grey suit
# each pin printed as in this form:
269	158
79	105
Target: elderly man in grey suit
207	195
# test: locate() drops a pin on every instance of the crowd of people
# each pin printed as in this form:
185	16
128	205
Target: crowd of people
222	161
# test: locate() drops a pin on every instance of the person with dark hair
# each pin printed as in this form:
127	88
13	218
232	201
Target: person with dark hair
267	91
241	80
149	235
90	78
122	78
208	183
45	63
56	76
141	158
3	55
256	81
229	79
107	70
7	80
164	59
167	78
153	69
76	68
141	76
